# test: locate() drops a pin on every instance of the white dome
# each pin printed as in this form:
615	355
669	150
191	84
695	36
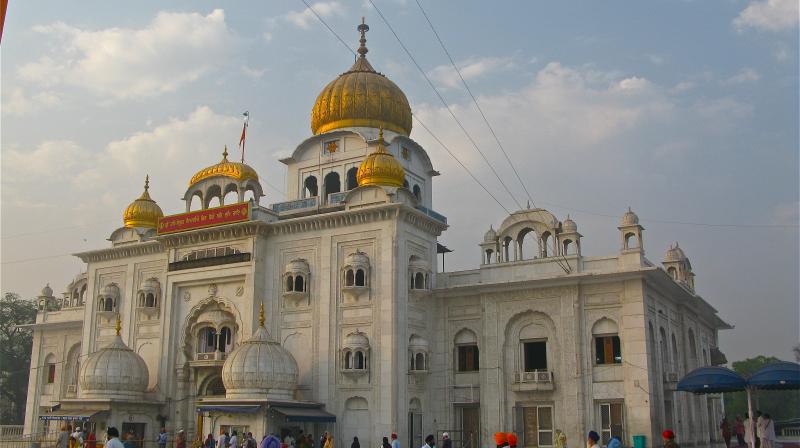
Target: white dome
110	290
630	218
417	264
418	343
675	253
114	371
298	265
490	236
357	340
569	225
47	291
357	259
260	368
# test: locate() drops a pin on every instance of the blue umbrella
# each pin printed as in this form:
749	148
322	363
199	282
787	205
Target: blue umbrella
712	380
778	375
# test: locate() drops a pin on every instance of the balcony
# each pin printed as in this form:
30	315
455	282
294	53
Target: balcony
209	359
336	198
535	380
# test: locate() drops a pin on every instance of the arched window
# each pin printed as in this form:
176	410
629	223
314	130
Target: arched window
109	304
332	183
419	361
360	279
207	340
49	374
225	340
231	194
150	300
672	272
489	253
349	278
289	283
215	387
359	360
352	182
417	192
419	281
545	240
662	344
311	189
674	351
631	242
299	284
467	356
214	202
348	360
568	247
250	195
196	202
607	349
507	248
527	244
692	349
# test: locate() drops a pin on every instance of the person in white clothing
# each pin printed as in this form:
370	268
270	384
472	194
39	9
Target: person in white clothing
748	429
759	417
113	438
77	435
289	440
767	427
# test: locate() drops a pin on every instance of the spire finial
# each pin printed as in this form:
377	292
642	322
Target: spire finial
225	153
119	325
363	28
146	182
261	315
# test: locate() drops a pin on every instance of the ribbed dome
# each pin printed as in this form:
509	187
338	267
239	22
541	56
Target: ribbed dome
357	259
143	212
630	218
47	291
490	236
674	253
114	371
225	168
381	168
356	340
260	368
361	97
569	225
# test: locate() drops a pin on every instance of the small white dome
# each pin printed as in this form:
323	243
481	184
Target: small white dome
47	291
357	259
417	342
569	225
674	253
110	290
151	284
356	340
417	264
298	265
490	236
260	368
630	218
114	371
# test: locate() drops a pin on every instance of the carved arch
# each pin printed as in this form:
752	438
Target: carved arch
191	321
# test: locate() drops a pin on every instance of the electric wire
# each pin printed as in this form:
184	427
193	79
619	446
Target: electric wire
446	105
474	100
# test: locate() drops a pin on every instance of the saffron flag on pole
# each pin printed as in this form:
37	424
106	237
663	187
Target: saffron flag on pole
243	138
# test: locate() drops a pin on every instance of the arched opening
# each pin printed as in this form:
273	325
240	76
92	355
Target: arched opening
674	350
140	301
672	272
332	183
150	300
349	278
419	361
360	278
569	248
352	182
289	283
419	281
72	369
489	253
299	284
527	244
692	349
359	360
607	348
631	242
215	387
348	360
417	192
207	340
196	203
662	343
49	374
231	194
507	248
214	202
250	195
108	304
310	187
225	340
545	241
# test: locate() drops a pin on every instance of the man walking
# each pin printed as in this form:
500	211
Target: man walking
161	440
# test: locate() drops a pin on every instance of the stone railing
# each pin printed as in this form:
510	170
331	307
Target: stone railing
297	204
437	216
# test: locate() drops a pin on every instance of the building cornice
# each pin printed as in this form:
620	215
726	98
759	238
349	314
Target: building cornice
124	251
57	325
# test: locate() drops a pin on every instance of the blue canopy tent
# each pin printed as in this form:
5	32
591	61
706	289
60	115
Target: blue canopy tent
778	375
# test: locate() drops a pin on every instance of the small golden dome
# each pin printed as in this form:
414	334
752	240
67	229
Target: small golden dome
225	168
361	97
381	168
143	212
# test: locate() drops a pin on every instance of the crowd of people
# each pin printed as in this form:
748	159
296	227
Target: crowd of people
761	431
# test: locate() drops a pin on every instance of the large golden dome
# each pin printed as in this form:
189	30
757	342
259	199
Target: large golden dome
361	97
225	168
143	212
381	168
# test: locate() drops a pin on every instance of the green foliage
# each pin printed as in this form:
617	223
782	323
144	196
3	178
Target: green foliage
15	356
780	404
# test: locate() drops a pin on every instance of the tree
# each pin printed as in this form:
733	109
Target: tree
15	356
780	404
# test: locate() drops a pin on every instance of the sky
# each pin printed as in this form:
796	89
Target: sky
686	111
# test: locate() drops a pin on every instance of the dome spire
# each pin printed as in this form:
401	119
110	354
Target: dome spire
225	154
118	326
261	315
363	28
143	212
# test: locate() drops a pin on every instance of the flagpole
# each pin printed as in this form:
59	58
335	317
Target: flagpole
243	139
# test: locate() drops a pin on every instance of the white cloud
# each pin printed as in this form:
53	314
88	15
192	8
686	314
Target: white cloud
683	86
252	72
267	36
120	63
769	15
18	103
55	160
745	75
306	17
655	59
445	76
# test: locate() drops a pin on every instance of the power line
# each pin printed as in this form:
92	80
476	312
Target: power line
446	105
474	100
328	27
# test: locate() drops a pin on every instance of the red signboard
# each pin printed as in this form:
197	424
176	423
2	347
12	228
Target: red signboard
204	218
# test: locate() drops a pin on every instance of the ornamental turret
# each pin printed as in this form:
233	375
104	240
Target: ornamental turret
143	212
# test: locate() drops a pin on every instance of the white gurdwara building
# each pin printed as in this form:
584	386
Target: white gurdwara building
360	335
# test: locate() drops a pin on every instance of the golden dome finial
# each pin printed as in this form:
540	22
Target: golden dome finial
143	212
381	167
363	28
261	318
225	154
119	325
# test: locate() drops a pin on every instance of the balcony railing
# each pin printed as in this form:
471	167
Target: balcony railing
297	204
211	356
336	198
437	216
534	376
